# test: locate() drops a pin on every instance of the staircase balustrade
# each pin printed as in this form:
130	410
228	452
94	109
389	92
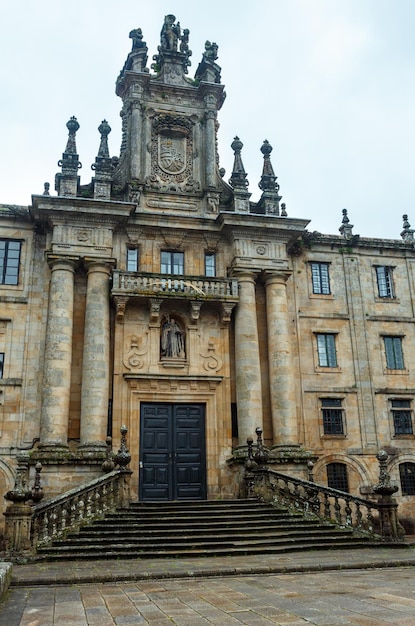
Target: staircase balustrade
79	506
367	517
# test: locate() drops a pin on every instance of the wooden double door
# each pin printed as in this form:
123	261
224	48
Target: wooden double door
172	452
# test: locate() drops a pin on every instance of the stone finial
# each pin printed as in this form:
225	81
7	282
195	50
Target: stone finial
407	233
66	183
269	202
104	165
346	229
238	178
268	180
46	187
123	457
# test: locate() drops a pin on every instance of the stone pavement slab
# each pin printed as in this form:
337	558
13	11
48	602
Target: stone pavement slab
366	597
75	572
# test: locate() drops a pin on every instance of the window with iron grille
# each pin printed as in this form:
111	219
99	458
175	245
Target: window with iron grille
132	259
1	364
384	277
402	416
326	349
172	262
320	278
332	412
394	353
9	261
210	264
337	476
407	475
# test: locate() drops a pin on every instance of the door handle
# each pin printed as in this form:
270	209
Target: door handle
140	465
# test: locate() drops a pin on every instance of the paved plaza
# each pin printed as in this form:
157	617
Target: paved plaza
365	587
365	597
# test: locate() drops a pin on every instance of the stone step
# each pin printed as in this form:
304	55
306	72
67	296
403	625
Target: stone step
138	539
210	528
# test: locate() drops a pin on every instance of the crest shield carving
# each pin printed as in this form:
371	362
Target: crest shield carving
172	152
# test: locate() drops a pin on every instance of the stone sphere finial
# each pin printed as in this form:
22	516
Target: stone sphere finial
382	455
72	125
104	128
266	148
237	144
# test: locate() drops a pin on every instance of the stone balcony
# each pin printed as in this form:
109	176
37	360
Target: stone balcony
159	287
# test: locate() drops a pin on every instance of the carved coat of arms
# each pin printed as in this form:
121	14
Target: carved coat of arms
172	153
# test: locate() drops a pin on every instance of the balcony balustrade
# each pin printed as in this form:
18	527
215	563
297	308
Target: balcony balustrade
158	287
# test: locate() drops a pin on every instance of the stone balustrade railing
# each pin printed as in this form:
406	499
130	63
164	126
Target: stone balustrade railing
79	506
363	516
129	283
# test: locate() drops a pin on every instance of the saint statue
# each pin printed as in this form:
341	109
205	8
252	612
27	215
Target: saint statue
172	340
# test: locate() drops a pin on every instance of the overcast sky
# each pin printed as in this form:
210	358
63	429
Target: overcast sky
329	83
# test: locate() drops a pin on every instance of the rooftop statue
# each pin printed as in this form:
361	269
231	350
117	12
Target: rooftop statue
137	36
211	51
170	34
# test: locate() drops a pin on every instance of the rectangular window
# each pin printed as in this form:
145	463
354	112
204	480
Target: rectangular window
320	278
1	364
402	417
394	353
210	264
9	261
132	259
332	416
407	475
172	263
337	476
326	348
385	281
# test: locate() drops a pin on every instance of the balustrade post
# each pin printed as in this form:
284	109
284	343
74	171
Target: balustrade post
390	528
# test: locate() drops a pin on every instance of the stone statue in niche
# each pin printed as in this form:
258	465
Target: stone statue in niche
172	340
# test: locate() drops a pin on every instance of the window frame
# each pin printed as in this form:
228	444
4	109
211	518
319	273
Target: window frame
6	262
326	353
393	346
210	272
131	261
385	282
320	278
339	481
402	416
332	417
407	483
172	262
2	355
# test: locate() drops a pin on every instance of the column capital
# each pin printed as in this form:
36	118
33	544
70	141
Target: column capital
279	276
245	275
56	261
93	264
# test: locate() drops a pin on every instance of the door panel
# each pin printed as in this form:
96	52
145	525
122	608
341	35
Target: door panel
172	452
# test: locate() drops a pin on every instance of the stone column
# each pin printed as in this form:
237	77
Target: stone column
136	140
247	361
95	366
210	148
58	354
281	372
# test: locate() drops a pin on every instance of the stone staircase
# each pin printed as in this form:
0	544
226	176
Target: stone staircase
199	528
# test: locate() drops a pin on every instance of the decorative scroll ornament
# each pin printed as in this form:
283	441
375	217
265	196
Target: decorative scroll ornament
133	360
211	362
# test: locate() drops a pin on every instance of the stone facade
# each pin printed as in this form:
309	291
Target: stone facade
160	297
